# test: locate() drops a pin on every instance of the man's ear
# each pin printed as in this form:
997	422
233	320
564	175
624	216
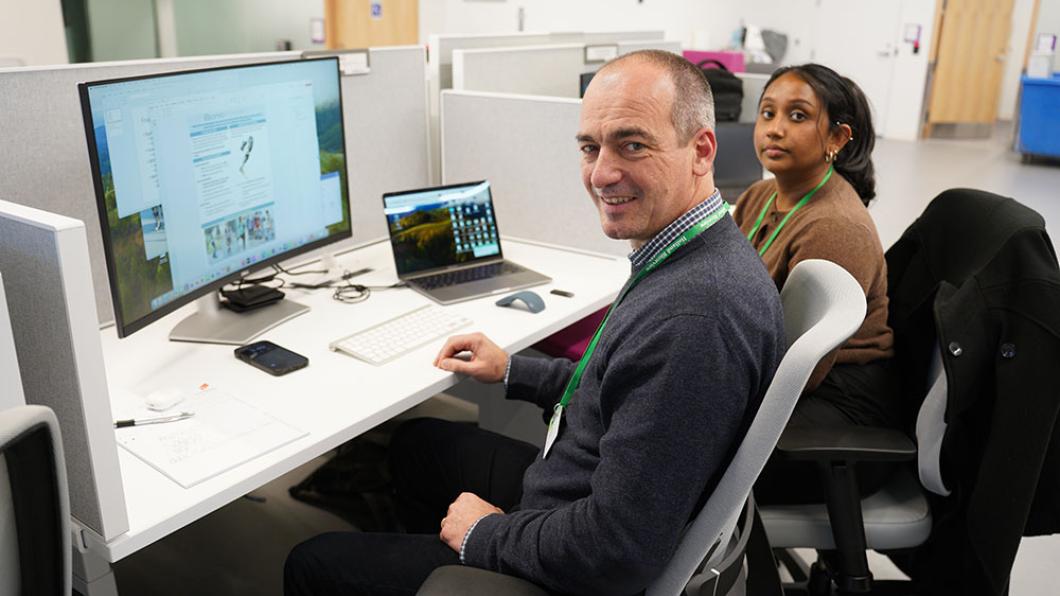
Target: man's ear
705	145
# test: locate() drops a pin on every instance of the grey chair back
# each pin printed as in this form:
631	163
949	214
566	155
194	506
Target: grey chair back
823	307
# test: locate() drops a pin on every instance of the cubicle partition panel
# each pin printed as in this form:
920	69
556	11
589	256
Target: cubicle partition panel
441	48
53	319
552	70
10	379
44	158
626	47
525	147
601	37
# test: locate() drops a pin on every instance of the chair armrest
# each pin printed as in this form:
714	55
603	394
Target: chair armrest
854	444
456	580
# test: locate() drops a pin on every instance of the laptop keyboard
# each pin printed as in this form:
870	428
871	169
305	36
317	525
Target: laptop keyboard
461	276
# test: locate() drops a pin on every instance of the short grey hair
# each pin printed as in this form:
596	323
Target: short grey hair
693	106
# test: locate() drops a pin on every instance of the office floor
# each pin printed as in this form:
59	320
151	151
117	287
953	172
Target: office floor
240	549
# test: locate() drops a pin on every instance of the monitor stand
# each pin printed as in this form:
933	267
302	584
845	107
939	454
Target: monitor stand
214	324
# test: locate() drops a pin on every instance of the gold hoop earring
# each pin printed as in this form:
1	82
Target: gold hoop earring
830	156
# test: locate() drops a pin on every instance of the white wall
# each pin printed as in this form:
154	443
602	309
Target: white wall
792	17
1017	43
122	30
847	34
451	17
238	26
33	31
1049	17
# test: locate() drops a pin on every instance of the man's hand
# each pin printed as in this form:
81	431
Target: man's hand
464	511
487	361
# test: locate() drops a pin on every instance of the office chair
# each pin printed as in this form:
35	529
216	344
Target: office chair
736	166
973	285
823	307
34	507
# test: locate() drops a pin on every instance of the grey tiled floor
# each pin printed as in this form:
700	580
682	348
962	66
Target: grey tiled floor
240	549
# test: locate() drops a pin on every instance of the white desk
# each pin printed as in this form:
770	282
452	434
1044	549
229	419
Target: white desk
336	397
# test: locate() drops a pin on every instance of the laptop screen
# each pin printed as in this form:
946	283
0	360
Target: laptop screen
435	228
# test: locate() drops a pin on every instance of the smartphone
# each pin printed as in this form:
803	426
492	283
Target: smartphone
271	358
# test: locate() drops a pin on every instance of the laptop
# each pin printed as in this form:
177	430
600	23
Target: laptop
447	246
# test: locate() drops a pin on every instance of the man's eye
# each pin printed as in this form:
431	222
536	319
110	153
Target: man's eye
588	149
634	147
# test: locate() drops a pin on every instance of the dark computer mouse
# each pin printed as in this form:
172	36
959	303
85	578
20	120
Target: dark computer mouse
531	300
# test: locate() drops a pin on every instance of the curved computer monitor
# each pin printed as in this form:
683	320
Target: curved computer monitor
204	175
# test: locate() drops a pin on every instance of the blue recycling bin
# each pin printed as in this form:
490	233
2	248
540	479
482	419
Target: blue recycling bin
1039	132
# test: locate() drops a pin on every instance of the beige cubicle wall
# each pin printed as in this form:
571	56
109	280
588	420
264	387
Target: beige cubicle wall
552	70
44	158
525	147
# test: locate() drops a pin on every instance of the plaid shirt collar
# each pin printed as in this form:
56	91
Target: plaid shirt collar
677	227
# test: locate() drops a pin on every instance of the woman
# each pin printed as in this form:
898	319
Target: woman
814	133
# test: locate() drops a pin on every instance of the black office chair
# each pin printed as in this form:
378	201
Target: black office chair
34	508
973	288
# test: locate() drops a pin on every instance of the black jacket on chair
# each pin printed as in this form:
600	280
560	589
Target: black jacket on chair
978	272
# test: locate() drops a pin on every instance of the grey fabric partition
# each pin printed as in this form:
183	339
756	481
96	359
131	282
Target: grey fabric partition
10	379
44	157
60	358
552	70
525	147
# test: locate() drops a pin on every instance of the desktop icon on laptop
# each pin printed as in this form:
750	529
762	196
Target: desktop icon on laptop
447	246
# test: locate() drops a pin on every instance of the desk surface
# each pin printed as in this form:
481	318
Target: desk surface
337	397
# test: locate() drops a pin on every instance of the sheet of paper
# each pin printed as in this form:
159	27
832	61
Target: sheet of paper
224	432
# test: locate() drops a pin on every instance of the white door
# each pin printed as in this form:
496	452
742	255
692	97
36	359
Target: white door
857	39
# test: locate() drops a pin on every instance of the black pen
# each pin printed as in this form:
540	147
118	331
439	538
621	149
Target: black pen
159	420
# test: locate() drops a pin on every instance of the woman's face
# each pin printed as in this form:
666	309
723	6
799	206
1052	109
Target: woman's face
792	128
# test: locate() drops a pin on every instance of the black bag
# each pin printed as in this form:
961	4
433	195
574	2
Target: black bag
727	89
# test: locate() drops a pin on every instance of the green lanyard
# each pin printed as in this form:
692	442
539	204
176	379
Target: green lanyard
762	215
698	228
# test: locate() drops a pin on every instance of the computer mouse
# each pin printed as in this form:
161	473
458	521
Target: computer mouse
163	399
531	300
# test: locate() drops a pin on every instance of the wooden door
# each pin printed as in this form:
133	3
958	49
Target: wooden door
969	50
371	23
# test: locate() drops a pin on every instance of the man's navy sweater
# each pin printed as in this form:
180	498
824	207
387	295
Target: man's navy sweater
677	377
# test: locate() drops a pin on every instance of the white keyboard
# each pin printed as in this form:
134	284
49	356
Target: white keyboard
402	334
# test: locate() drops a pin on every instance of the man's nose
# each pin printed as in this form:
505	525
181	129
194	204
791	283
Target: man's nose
605	170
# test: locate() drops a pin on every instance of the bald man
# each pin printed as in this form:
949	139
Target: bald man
642	428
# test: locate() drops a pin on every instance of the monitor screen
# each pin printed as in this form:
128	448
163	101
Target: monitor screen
435	228
583	82
203	175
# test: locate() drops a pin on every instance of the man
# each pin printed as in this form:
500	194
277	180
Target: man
642	430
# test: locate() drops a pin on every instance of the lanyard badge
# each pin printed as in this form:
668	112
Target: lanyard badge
557	412
553	429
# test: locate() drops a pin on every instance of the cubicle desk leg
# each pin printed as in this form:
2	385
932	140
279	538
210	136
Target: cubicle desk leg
92	574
